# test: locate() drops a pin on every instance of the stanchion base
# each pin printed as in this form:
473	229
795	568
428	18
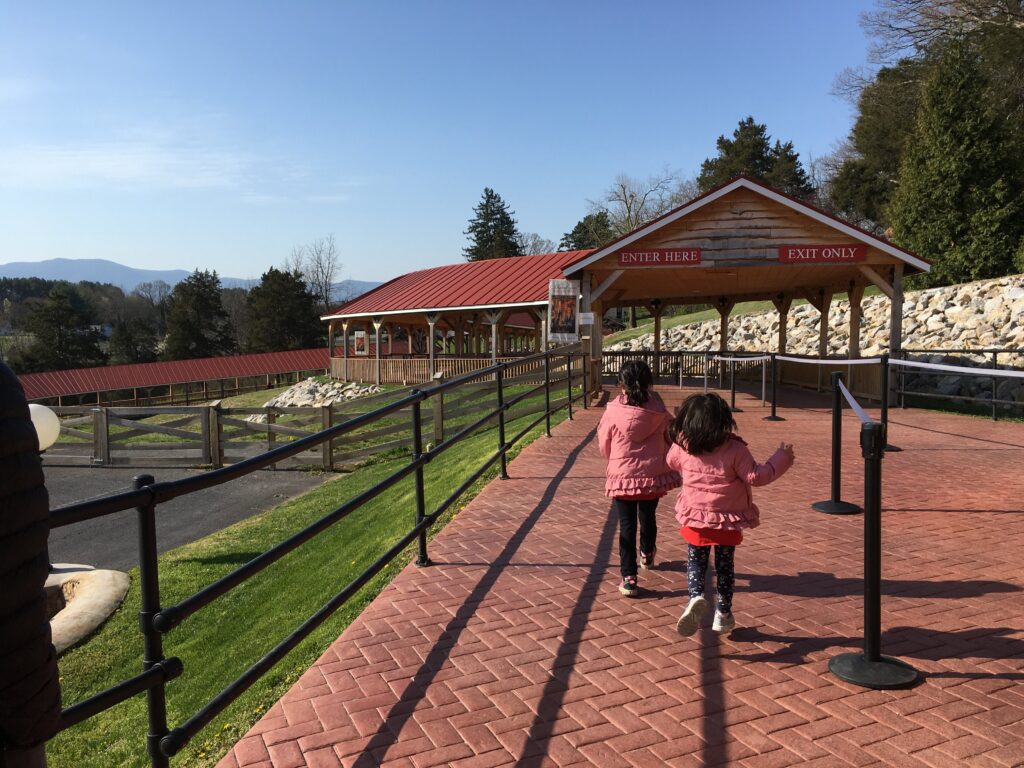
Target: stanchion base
893	449
886	674
773	418
736	409
836	507
423	563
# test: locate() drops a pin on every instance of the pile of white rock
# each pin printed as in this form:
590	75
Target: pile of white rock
313	393
988	314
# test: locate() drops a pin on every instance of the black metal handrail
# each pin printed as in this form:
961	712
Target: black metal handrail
162	742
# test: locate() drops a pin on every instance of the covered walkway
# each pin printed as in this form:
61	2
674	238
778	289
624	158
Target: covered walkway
516	649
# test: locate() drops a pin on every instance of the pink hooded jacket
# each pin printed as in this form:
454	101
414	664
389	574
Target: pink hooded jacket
633	440
717	485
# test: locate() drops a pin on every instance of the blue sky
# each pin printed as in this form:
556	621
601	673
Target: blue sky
221	135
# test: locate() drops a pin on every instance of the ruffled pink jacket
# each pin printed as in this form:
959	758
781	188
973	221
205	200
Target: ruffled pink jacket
717	485
633	440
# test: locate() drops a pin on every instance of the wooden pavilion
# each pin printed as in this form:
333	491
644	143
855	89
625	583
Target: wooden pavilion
740	242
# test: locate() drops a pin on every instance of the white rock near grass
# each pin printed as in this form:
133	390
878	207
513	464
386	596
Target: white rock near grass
988	314
313	393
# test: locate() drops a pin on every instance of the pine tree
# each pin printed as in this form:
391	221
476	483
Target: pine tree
63	335
492	231
197	324
282	314
132	341
592	231
750	153
956	203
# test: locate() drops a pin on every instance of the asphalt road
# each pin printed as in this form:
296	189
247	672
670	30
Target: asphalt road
111	541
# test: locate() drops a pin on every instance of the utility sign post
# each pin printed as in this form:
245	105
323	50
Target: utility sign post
563	311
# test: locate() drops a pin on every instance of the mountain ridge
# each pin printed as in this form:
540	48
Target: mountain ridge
128	278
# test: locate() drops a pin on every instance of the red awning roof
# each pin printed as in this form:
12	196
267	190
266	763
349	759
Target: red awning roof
83	380
521	280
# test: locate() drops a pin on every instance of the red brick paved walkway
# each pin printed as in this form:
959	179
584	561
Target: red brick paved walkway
516	648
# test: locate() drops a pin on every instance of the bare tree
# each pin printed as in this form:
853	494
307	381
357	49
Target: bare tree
296	263
531	243
903	27
323	268
631	202
156	293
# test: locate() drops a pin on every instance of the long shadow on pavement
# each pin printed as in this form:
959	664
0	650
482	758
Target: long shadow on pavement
391	726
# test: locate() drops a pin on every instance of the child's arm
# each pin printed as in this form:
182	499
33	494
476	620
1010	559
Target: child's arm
604	436
762	474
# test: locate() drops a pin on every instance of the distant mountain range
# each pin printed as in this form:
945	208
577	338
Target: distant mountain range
127	278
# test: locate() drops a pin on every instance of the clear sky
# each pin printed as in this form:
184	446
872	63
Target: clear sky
219	135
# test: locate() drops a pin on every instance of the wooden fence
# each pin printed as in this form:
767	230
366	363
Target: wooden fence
214	435
407	370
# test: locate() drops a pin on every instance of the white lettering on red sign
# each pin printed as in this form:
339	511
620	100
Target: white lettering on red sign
659	256
822	253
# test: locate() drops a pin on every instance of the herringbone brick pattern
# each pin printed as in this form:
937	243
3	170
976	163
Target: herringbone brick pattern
516	649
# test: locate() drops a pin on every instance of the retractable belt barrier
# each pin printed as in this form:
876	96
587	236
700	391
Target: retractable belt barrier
986	372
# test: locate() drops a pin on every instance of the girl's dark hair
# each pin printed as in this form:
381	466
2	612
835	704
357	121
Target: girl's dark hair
704	422
636	377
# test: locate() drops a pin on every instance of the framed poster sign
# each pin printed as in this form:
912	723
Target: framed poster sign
563	311
359	343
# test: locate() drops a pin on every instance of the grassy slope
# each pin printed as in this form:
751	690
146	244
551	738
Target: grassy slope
254	617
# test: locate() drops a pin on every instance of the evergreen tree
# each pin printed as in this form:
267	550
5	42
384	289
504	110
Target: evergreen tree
592	231
750	153
63	335
492	230
282	314
957	203
132	341
197	324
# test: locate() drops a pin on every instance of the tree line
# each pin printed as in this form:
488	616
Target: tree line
934	161
56	325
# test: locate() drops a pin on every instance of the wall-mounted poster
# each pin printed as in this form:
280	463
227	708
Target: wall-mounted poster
563	311
359	344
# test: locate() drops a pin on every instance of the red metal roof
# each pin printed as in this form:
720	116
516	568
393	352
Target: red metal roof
83	380
488	283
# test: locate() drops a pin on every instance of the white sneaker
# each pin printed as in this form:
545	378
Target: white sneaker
724	622
691	617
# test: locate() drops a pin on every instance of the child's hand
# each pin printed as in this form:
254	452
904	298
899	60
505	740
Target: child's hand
787	448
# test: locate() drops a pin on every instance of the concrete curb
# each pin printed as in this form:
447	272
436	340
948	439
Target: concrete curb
94	596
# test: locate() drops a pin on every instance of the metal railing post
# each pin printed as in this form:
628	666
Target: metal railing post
884	416
153	651
417	454
834	505
995	386
547	395
775	398
568	378
500	377
732	387
871	669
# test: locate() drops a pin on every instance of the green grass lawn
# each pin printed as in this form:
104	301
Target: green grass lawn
220	642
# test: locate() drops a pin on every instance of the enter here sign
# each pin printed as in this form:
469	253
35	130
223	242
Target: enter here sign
831	253
653	257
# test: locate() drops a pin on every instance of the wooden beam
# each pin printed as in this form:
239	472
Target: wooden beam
605	284
877	279
856	294
782	303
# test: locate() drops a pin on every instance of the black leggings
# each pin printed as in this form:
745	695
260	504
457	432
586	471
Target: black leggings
629	513
697	566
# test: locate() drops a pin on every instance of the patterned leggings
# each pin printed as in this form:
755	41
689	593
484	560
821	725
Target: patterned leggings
697	566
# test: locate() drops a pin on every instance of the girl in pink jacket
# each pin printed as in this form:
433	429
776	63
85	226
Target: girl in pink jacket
716	503
632	436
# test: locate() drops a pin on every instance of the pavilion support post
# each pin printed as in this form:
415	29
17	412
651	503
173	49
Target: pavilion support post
824	307
782	304
632	316
391	338
344	352
656	308
856	295
493	318
724	307
895	324
597	307
431	323
460	329
330	341
378	322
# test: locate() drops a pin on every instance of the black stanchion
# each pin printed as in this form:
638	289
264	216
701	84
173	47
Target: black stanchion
834	506
774	416
885	404
732	387
871	669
